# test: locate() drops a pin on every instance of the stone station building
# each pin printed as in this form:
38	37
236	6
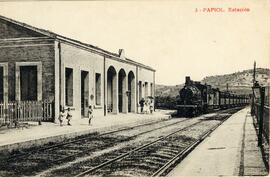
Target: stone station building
38	65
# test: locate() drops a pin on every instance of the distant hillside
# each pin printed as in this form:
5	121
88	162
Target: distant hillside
239	82
163	90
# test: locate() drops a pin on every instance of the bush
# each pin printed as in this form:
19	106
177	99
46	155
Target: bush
165	102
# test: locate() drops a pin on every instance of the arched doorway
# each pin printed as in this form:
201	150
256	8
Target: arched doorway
122	88
111	90
131	92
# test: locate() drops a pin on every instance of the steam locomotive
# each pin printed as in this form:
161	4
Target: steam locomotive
196	98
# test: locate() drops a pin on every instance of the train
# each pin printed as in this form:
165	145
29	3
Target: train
196	98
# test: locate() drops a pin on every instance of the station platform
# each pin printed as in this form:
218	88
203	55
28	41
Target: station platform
19	138
231	150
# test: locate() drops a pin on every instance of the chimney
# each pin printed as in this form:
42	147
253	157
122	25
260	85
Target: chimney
122	53
187	80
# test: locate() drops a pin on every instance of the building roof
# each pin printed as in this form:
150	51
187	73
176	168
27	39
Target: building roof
73	41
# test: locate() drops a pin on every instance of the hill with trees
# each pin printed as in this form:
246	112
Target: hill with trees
238	82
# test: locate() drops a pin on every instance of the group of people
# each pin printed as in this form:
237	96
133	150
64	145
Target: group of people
147	105
68	115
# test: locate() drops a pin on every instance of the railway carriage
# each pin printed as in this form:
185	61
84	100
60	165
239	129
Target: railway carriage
238	100
234	100
216	98
231	97
225	100
210	97
222	100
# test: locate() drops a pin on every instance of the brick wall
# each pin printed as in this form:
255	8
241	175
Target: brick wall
34	51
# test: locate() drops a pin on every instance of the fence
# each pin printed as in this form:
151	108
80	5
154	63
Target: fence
261	114
265	123
24	111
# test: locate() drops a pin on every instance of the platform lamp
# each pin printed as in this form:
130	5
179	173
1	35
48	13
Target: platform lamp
258	98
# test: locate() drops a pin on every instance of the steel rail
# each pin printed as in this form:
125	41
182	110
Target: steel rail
22	154
182	154
141	133
109	132
85	138
134	150
81	139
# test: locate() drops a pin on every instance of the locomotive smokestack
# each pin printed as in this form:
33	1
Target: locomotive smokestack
187	80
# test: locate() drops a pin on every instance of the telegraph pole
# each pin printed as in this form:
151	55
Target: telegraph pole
254	73
254	80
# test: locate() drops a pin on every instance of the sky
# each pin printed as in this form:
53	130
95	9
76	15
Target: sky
169	36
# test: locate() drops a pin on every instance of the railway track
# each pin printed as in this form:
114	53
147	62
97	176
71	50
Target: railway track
41	158
36	161
168	166
75	140
154	158
78	139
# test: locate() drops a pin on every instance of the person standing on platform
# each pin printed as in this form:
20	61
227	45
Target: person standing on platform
142	104
61	116
90	114
151	106
146	106
69	116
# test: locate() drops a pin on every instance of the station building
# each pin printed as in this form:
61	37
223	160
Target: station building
38	65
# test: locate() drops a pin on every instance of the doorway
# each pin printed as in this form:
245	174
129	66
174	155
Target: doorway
28	83
122	91
111	90
131	92
1	84
84	93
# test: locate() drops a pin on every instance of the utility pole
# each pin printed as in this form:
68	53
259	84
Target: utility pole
254	73
253	99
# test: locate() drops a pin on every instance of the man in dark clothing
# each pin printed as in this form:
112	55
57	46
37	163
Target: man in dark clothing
142	104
